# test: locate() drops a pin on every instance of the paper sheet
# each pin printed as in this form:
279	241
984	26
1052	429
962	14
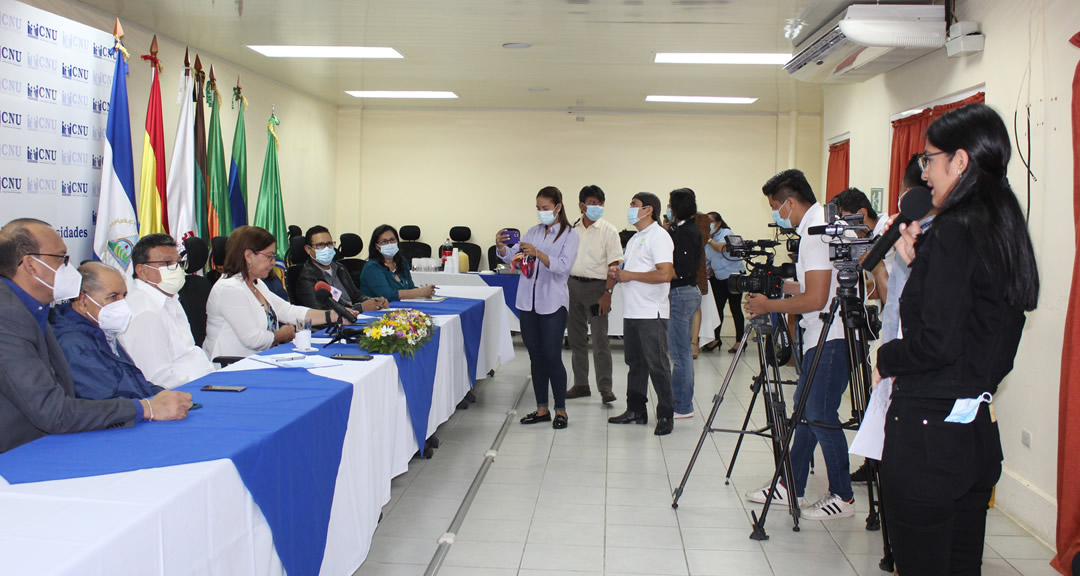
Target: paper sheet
291	360
870	439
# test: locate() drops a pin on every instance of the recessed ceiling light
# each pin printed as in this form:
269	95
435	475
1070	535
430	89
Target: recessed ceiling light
778	59
400	94
326	52
538	89
517	45
701	99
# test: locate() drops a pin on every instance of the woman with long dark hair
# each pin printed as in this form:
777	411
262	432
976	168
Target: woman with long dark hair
721	267
973	277
546	253
387	274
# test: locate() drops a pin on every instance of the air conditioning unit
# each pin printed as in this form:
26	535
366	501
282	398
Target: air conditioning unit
866	40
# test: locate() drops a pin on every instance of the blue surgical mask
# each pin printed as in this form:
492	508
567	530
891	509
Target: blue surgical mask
325	256
781	222
712	229
547	217
965	410
632	215
668	214
389	250
594	213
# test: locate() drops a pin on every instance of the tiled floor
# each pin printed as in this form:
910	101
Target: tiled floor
596	498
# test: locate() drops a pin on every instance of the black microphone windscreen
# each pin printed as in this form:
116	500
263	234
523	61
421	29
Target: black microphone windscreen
917	203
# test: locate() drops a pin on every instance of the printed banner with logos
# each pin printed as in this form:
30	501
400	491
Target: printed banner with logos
55	77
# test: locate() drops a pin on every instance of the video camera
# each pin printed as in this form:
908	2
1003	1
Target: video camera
846	249
763	278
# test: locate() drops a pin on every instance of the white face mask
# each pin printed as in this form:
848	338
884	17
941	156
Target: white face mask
113	317
171	280
67	282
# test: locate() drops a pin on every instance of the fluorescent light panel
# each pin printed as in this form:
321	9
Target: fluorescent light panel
326	52
400	94
701	99
721	58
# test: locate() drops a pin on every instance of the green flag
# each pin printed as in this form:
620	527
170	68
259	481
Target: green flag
269	212
201	181
238	165
218	218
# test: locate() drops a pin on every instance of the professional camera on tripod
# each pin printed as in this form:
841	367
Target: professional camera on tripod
764	277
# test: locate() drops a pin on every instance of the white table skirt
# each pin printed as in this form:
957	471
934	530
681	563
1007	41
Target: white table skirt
710	318
200	518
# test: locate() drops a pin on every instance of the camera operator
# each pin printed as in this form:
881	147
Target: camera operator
853	201
973	276
793	204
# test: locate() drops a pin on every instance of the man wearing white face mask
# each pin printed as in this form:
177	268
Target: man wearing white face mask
321	267
36	390
159	337
86	329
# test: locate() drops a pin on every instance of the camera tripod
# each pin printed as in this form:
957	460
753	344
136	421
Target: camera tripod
849	303
768	379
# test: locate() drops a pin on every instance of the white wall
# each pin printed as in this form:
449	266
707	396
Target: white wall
1029	397
307	158
482	169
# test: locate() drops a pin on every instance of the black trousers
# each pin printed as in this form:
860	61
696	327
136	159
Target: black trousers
645	349
936	480
734	301
542	334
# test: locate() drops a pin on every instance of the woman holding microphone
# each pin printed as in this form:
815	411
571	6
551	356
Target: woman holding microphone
973	277
547	253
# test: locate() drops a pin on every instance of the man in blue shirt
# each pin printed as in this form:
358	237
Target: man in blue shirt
36	390
87	330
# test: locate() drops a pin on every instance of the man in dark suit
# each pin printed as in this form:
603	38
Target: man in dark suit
321	267
36	392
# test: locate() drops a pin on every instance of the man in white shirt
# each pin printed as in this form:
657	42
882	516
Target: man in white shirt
854	201
645	281
794	205
590	301
159	337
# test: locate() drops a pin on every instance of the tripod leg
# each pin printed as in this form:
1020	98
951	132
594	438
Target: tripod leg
745	426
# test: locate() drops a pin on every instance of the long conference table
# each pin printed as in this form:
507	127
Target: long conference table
710	317
267	509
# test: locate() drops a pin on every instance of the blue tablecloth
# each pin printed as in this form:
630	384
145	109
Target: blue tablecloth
509	285
284	434
472	323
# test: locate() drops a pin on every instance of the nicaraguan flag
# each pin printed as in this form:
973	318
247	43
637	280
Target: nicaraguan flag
117	229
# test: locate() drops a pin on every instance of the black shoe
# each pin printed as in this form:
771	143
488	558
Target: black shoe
607	397
577	392
630	417
862	475
664	426
534	417
559	422
711	346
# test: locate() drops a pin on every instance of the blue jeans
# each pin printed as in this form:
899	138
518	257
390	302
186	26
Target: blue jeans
543	334
685	300
822	406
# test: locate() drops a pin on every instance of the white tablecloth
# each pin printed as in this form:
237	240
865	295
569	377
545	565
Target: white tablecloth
200	518
710	318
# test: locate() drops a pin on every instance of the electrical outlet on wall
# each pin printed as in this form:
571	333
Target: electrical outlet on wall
1025	437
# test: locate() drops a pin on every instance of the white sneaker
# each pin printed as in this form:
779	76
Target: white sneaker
679	416
780	495
830	507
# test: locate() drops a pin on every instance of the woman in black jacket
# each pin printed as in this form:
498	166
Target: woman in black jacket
973	277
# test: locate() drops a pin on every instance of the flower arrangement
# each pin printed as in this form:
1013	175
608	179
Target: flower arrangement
401	330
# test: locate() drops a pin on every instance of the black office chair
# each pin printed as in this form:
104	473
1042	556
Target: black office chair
493	257
408	246
297	258
350	246
196	290
459	237
217	256
295	231
625	236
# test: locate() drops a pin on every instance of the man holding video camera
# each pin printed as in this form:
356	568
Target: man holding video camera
794	205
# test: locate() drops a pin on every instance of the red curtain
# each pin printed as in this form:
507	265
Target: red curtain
836	178
909	138
1068	485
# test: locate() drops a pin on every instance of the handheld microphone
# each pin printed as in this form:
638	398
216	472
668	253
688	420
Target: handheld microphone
915	205
322	294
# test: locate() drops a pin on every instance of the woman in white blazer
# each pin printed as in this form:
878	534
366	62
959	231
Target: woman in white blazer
243	316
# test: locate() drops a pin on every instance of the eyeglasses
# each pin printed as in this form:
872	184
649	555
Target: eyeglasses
386	242
64	257
322	245
170	264
924	158
271	256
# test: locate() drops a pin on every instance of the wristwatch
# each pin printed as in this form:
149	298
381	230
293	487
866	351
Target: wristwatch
609	290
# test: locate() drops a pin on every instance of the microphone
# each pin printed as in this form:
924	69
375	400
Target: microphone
916	204
322	294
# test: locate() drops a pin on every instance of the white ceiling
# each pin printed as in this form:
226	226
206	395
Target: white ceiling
591	55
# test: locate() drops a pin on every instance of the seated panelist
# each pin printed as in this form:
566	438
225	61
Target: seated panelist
37	394
243	316
386	274
321	267
87	329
